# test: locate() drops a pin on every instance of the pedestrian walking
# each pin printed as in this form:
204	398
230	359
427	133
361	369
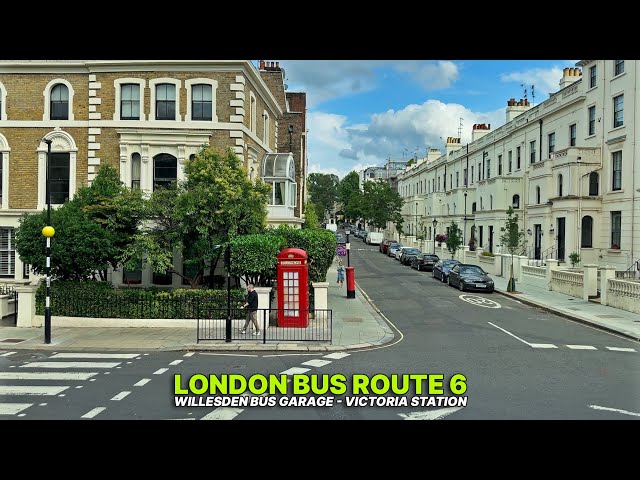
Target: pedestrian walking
340	273
252	310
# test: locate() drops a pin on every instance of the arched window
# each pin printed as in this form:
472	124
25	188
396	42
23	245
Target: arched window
515	203
538	195
559	184
135	171
62	168
593	184
165	170
278	169
587	232
59	102
4	172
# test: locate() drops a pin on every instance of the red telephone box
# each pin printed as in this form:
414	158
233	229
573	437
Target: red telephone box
293	288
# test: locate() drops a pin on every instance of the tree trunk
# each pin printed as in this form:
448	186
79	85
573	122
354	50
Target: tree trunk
511	286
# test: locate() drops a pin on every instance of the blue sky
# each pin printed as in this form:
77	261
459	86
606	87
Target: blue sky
361	112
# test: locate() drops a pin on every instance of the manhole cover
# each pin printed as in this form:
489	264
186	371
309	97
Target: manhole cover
610	316
12	340
351	319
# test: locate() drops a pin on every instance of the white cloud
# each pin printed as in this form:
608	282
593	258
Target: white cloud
545	80
328	79
415	128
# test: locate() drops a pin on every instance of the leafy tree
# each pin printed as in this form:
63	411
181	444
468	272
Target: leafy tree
79	248
349	195
200	215
253	258
310	216
454	238
323	191
380	204
513	240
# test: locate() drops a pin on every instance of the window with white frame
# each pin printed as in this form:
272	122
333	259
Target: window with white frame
130	101
559	184
253	107
136	164
165	99
7	252
510	161
616	229
532	151
4	172
457	179
587	232
572	135
59	176
518	149
62	168
133	277
616	164
538	195
201	102
265	132
488	168
618	111
618	67
515	201
593	76
592	120
58	100
3	102
165	170
499	164
552	143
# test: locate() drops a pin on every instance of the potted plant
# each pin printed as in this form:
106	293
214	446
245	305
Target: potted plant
472	245
574	258
441	237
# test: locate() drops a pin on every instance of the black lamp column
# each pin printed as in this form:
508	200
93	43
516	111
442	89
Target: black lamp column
435	224
464	234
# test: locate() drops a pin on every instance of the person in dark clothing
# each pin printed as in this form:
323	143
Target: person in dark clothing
252	310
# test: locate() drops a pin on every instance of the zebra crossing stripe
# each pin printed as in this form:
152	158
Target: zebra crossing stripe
47	375
95	355
94	412
621	349
6	354
13	408
31	389
224	413
70	365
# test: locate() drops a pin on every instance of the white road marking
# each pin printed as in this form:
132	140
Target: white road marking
190	354
294	370
429	414
175	362
625	412
95	355
129	363
107	373
70	364
142	382
46	375
79	386
581	347
317	363
92	380
479	301
509	333
21	414
160	371
31	389
621	349
42	404
94	412
6	354
543	345
224	413
13	408
179	418
120	396
337	355
62	395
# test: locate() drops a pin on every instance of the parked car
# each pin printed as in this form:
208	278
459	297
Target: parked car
426	261
442	268
393	248
470	277
385	245
340	239
408	254
399	252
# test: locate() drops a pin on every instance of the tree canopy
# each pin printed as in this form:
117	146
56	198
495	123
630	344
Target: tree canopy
323	191
380	204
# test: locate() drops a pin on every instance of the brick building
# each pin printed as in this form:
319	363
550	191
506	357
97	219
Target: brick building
145	118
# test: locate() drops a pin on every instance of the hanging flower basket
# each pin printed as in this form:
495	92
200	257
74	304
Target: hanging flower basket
440	238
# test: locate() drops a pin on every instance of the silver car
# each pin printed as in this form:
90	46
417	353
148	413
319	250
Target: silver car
391	251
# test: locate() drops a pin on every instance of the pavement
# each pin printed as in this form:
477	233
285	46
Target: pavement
357	324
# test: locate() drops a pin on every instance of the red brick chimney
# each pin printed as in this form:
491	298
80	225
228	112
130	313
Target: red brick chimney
261	64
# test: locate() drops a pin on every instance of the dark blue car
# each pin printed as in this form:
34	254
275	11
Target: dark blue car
442	268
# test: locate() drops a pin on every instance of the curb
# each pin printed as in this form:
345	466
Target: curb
395	332
566	315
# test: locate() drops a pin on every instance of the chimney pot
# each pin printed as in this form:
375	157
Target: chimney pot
277	64
261	64
489	127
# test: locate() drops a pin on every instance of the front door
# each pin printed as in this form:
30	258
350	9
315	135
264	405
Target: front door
537	241
560	237
491	238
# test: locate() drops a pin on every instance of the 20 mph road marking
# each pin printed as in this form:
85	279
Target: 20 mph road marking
479	301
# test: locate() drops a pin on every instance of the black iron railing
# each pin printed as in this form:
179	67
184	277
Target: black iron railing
275	325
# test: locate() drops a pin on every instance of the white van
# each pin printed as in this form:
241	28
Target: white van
374	238
332	226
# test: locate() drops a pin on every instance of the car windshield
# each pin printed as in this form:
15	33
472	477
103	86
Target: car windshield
431	257
450	263
472	270
397	246
411	251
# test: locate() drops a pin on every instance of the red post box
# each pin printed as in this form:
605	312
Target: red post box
293	288
351	282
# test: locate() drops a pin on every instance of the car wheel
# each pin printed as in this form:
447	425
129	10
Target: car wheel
461	286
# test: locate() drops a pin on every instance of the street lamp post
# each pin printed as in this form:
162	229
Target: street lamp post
48	232
464	234
416	220
435	224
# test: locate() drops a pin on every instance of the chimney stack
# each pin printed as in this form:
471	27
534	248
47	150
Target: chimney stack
515	108
480	130
261	64
569	76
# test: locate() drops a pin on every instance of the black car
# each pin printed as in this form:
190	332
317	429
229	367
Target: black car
470	277
442	268
340	240
425	261
408	254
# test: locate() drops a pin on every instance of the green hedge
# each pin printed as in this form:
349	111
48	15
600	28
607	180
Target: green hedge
102	300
